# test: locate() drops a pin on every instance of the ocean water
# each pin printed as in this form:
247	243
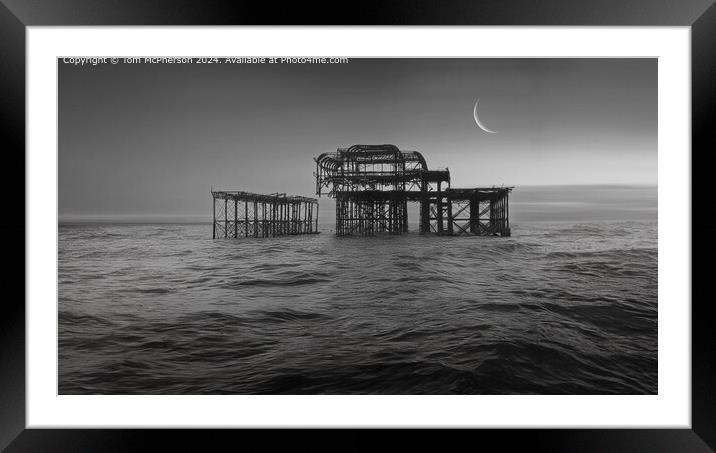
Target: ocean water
563	307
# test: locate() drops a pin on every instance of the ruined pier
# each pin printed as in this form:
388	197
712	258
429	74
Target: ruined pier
372	185
244	214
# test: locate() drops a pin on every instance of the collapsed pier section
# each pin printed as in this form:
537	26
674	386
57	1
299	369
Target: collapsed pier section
372	185
243	214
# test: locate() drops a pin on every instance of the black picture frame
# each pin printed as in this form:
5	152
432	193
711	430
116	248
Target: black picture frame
16	15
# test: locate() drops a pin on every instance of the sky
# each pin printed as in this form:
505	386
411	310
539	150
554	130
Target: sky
153	139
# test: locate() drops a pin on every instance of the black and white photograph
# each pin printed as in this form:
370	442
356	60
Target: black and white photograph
357	226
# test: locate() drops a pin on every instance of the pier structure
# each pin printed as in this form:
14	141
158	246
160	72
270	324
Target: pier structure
243	214
372	185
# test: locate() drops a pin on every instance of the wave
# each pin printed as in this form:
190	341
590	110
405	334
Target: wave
554	309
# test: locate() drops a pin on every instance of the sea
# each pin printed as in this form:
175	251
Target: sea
566	305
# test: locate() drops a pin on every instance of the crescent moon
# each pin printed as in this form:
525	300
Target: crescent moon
477	120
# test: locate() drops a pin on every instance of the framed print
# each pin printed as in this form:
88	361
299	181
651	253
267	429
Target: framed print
244	224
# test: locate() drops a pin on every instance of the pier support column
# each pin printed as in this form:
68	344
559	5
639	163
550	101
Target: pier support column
449	216
256	219
439	213
474	215
507	214
236	217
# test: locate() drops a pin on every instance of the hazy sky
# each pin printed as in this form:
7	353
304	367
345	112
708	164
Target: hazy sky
152	139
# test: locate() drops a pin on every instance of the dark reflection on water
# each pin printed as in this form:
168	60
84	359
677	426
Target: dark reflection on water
561	308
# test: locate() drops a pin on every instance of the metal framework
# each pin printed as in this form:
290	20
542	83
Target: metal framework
479	211
372	185
243	214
